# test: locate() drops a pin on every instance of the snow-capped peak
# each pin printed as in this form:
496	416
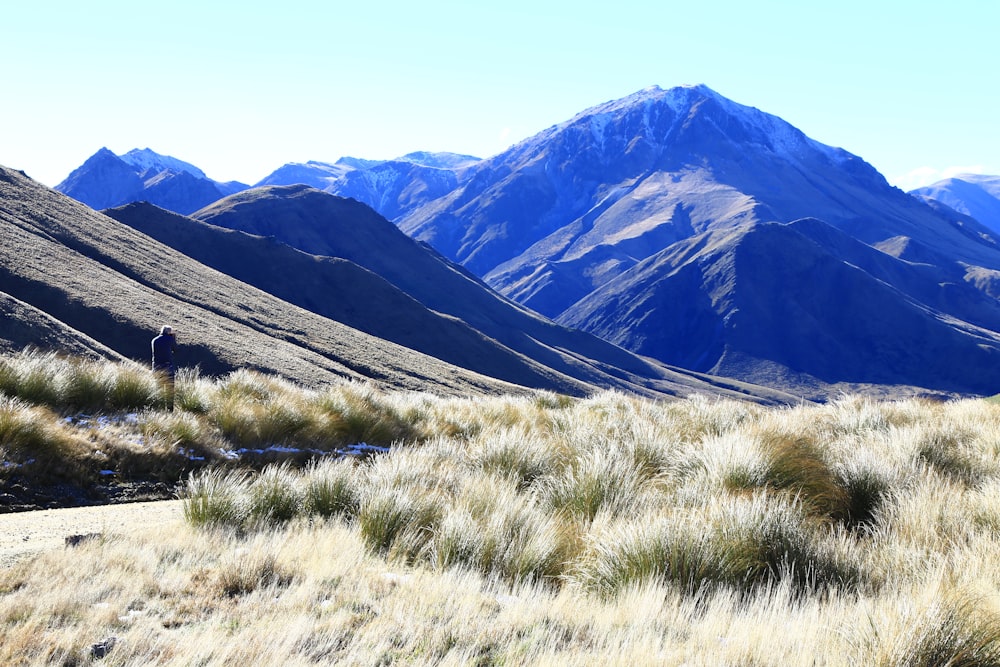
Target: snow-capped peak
145	159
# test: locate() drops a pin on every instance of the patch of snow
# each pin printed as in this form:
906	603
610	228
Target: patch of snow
599	126
145	159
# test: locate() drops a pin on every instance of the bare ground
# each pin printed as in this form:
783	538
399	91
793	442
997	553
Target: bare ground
23	534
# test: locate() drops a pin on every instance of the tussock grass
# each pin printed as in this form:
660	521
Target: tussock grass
537	530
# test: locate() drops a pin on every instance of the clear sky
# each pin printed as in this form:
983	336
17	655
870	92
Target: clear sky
240	88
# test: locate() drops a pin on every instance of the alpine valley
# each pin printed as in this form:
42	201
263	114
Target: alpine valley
677	228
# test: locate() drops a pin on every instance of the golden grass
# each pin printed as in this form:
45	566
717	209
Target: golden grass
537	530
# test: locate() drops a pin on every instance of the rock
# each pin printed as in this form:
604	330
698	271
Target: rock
101	649
77	540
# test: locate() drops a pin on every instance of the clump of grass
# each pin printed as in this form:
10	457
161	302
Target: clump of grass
332	488
518	453
653	550
868	483
797	465
250	570
216	499
495	530
954	629
36	445
31	376
179	429
360	413
946	451
275	496
192	393
765	540
600	480
399	523
74	383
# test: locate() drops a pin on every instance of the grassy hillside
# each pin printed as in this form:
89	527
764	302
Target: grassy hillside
532	530
112	284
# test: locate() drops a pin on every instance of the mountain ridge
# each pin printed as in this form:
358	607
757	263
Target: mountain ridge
561	221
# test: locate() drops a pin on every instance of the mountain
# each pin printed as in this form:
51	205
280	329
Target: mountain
325	225
106	180
975	195
614	222
391	187
72	269
799	304
341	290
75	279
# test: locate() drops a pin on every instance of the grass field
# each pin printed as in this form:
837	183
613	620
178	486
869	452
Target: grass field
516	530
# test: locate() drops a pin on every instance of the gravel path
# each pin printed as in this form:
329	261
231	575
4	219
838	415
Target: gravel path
25	533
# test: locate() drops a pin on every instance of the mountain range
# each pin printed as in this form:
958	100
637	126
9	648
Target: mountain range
704	234
77	280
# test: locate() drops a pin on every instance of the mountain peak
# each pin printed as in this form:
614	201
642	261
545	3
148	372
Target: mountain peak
146	159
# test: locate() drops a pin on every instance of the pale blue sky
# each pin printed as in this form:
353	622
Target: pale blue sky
239	89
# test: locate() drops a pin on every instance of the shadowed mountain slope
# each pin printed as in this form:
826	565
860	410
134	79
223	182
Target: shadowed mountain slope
340	290
322	224
25	326
801	306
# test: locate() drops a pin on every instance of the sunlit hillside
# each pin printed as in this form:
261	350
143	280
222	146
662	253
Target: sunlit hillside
535	529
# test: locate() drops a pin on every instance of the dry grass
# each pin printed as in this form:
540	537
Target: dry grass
537	530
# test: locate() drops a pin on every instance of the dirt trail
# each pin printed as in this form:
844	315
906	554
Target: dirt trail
25	533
